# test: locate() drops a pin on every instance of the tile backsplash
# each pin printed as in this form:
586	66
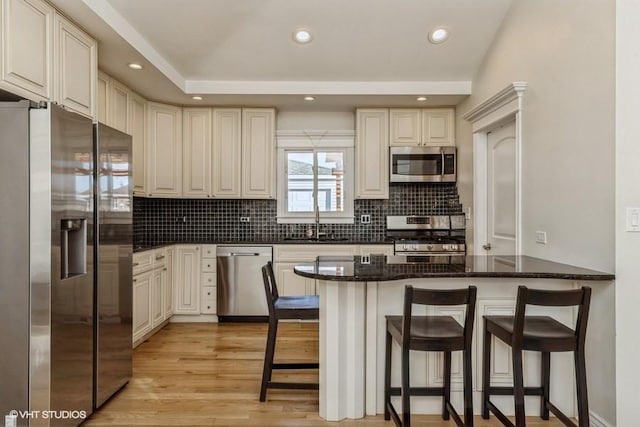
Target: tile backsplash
158	221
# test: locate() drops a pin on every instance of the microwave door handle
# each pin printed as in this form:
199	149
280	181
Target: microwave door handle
442	164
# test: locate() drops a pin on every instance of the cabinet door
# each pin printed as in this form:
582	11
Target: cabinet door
438	126
196	152
405	126
142	304
372	154
27	48
226	161
258	153
157	288
119	107
289	283
187	285
137	129
77	67
164	137
168	290
103	86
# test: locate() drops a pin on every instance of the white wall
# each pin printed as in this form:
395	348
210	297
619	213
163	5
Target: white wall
627	195
564	50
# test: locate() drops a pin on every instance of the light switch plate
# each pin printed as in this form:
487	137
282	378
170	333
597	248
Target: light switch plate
633	219
541	237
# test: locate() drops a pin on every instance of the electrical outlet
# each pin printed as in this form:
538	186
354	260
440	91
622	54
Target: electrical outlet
182	219
245	219
365	219
541	237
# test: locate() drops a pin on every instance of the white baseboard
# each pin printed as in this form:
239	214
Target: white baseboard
596	420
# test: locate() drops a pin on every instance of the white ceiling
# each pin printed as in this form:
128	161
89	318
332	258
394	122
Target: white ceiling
240	52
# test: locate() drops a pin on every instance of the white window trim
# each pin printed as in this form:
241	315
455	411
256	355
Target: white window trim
315	140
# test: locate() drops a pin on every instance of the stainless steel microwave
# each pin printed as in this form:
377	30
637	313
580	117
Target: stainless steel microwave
422	164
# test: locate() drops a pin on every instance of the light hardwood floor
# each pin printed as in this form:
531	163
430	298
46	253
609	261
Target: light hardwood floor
209	375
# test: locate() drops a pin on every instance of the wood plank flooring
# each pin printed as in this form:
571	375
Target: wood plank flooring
209	375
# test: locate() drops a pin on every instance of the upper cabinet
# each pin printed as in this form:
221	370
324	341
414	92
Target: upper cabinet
119	106
226	155
196	152
372	154
27	48
258	153
137	129
45	57
103	86
76	55
164	143
428	126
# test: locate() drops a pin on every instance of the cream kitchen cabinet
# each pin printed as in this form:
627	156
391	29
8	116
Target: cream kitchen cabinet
372	154
226	164
426	126
187	280
119	106
258	153
196	152
26	63
137	111
158	283
76	64
142	305
164	143
169	270
103	86
209	289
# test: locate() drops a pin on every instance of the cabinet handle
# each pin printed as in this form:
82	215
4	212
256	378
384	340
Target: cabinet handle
135	280
164	269
158	258
135	264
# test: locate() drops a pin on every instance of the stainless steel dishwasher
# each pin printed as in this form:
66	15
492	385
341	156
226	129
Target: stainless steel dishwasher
241	295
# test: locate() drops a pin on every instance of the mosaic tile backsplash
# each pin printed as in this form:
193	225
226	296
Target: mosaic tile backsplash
159	221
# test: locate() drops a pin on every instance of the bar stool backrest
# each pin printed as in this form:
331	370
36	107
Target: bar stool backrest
270	287
439	297
574	297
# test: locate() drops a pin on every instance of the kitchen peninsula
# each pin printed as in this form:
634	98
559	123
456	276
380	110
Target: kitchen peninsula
356	293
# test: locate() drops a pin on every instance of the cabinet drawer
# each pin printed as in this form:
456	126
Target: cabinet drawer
143	261
208	304
208	264
208	251
208	279
208	292
159	258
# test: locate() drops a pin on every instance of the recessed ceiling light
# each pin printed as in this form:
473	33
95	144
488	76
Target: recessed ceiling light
135	66
421	98
309	98
197	98
302	36
438	35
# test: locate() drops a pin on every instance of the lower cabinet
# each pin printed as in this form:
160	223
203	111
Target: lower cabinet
142	304
158	284
289	283
169	282
208	303
187	279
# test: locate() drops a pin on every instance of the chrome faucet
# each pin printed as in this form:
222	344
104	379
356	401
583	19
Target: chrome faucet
317	221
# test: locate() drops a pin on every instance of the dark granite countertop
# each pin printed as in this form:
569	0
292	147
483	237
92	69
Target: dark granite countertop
381	268
274	241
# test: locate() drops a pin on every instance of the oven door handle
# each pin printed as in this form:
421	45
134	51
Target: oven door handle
442	164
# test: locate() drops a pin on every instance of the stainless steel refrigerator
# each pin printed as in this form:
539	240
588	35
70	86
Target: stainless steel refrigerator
54	284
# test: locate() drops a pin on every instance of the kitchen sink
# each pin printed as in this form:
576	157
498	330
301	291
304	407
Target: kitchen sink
321	239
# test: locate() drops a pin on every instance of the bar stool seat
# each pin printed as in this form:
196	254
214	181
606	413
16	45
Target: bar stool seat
543	334
303	307
430	333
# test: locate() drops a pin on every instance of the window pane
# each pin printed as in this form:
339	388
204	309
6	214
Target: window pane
300	181
331	181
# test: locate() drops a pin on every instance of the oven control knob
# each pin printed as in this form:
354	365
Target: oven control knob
453	247
414	247
405	247
429	247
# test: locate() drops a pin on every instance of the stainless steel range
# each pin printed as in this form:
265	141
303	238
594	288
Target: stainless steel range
427	235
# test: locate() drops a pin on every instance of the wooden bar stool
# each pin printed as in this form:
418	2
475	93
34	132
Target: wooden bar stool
430	333
285	307
543	334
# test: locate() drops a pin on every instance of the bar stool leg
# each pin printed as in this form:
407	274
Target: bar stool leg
406	405
468	388
545	374
268	359
581	388
518	388
486	368
447	385
387	376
